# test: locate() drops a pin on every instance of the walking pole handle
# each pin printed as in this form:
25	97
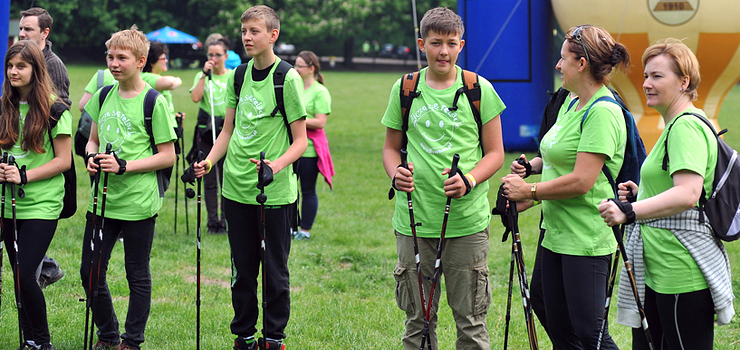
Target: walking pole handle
453	168
404	159
108	148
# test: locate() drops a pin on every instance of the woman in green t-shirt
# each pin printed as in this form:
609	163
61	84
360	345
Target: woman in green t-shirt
682	290
317	158
209	90
37	169
576	251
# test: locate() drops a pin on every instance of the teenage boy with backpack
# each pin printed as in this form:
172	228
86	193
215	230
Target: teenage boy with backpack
251	126
435	133
133	198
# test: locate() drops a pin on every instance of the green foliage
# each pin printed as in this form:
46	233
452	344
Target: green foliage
342	287
319	25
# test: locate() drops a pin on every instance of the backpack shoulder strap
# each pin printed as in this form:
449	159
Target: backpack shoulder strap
149	102
104	94
668	133
57	109
239	79
409	84
278	79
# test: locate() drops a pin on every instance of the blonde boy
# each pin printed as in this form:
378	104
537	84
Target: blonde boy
435	133
133	199
248	130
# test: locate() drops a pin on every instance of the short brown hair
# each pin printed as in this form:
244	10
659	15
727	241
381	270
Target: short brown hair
132	39
683	62
45	20
443	21
264	13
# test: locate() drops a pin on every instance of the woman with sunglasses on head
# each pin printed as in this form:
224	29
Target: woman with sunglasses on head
577	248
41	153
317	158
685	268
209	90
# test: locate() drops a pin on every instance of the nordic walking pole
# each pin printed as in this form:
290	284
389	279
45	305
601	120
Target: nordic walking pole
609	291
522	272
426	337
178	119
422	296
2	229
185	198
508	299
88	301
264	179
198	220
213	133
628	267
19	304
98	231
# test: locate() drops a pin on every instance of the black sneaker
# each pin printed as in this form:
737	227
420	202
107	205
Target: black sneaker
45	281
47	346
271	344
214	228
26	346
241	343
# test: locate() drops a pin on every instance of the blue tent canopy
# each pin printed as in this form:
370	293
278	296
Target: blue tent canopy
169	35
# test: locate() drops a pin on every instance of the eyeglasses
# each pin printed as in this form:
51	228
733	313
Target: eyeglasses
217	55
577	35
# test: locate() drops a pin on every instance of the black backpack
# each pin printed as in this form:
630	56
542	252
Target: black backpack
723	206
163	175
69	201
83	126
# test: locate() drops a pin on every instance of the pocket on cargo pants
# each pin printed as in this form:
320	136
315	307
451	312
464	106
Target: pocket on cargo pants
482	294
404	297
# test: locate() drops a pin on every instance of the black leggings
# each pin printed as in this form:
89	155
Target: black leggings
575	292
677	321
34	237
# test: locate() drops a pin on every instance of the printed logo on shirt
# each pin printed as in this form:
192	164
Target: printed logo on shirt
248	112
219	93
436	124
550	139
114	127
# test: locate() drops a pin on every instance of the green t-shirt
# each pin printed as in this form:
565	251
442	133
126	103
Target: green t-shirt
574	226
151	79
131	196
435	134
219	93
108	79
669	268
255	131
43	200
318	100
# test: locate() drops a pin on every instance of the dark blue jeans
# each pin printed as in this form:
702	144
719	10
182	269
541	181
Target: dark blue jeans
137	247
34	237
309	171
244	240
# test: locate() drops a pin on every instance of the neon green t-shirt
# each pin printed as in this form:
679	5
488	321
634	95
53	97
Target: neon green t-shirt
669	268
219	93
131	196
92	85
43	200
435	134
318	101
255	131
574	226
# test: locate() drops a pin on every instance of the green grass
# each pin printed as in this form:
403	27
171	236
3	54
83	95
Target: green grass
341	280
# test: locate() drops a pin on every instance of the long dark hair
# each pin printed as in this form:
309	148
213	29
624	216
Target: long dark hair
312	60
38	98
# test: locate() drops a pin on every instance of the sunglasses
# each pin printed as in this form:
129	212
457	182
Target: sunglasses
577	35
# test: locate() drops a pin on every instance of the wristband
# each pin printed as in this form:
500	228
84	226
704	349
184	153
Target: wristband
205	74
210	165
121	166
471	179
90	155
534	191
626	208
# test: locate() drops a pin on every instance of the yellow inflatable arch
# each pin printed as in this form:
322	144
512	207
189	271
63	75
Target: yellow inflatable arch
711	28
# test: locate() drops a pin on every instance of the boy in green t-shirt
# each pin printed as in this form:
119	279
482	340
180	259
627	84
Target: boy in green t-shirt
248	130
133	197
435	133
